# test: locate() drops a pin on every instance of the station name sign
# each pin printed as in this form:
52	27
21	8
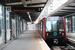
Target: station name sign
35	9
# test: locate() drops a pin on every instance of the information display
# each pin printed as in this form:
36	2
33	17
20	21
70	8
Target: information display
35	9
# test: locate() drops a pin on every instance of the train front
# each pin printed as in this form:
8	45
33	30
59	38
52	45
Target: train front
55	29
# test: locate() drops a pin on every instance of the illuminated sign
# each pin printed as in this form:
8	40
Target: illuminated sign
55	33
22	10
27	9
53	18
8	8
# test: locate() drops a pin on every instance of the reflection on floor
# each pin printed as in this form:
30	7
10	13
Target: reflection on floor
71	35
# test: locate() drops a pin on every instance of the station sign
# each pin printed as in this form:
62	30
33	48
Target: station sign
27	9
8	8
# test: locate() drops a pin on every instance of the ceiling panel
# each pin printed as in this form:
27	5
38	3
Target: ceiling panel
30	3
11	1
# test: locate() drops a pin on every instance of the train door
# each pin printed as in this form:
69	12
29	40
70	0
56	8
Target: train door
61	26
42	28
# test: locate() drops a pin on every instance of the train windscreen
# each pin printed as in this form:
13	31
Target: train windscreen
48	26
61	26
54	25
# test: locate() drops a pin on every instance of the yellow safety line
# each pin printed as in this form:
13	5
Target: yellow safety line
32	41
39	41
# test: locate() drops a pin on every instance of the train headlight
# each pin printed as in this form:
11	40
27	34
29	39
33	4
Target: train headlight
47	34
55	33
62	33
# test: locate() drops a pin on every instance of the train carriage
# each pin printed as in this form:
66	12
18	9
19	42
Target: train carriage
52	28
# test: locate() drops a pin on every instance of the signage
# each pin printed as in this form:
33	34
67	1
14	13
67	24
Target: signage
24	3
27	9
8	8
55	34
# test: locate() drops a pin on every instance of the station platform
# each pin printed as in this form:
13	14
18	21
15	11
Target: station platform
28	40
71	37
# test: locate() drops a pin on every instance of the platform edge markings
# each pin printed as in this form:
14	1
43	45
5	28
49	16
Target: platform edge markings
40	41
71	39
44	41
32	40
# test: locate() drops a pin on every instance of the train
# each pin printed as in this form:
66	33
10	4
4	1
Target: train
53	29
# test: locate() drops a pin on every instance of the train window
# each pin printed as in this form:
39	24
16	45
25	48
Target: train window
43	28
61	26
54	24
48	26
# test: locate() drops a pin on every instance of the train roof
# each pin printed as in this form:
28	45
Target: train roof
54	18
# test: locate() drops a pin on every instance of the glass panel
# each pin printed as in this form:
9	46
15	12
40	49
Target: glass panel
54	23
17	25
43	28
13	28
21	26
2	25
61	26
48	26
68	24
55	4
24	25
66	21
73	23
7	26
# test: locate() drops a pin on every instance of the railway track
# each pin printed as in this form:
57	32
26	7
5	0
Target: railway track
60	46
68	47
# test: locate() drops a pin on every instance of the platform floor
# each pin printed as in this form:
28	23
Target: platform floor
71	37
28	40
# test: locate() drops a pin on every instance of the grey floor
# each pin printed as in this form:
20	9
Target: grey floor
21	43
28	40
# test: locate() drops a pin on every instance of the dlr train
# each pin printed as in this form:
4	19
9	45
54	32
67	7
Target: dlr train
52	28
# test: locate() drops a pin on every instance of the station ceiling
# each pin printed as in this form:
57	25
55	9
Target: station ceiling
66	9
30	3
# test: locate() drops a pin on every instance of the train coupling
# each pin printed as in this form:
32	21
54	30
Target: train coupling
55	41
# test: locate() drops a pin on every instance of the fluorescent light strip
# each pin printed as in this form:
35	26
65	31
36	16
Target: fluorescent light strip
29	16
28	2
